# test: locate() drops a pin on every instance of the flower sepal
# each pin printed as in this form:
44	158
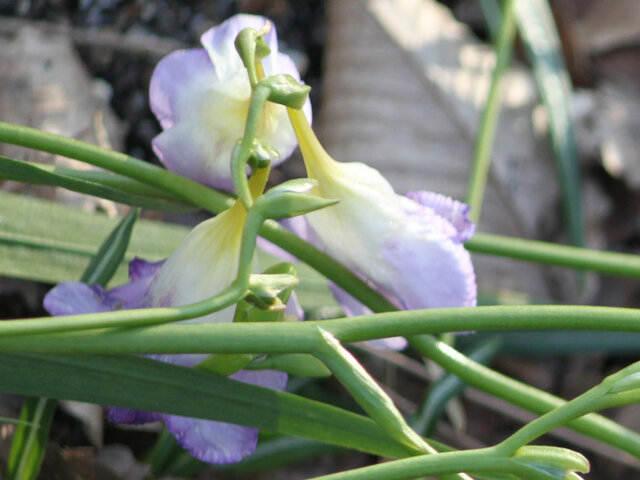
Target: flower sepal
264	290
290	199
225	364
560	462
285	90
299	364
261	154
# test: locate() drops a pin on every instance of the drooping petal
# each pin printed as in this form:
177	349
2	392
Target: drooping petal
218	442
203	265
429	274
409	250
213	442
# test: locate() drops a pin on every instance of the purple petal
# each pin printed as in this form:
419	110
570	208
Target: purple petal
185	149
218	442
430	273
128	296
139	268
131	417
72	298
219	43
457	213
212	442
176	82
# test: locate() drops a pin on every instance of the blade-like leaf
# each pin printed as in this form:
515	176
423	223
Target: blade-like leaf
540	37
29	442
44	241
11	169
145	384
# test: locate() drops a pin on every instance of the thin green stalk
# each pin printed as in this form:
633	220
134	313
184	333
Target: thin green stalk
447	387
242	152
367	392
490	114
471	461
29	442
195	193
611	263
117	162
523	395
282	337
620	388
301	338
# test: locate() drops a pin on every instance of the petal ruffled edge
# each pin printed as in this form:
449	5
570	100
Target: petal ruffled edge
428	272
455	212
219	442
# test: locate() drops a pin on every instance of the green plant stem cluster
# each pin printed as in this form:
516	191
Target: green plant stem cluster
103	332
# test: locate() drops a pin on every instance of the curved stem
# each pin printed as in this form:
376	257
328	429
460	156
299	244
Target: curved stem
523	395
480	460
184	188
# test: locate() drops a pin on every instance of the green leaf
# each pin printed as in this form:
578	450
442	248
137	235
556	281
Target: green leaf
29	442
144	384
11	169
541	39
45	241
111	253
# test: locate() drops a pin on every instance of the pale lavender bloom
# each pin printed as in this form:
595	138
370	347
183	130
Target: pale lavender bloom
201	99
410	248
201	267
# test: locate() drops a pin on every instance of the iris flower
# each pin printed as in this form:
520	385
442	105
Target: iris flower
204	265
201	99
410	248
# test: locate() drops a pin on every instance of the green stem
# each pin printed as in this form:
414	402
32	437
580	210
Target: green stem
367	392
472	461
116	162
490	114
617	389
233	338
301	338
388	325
242	153
611	263
195	193
523	395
